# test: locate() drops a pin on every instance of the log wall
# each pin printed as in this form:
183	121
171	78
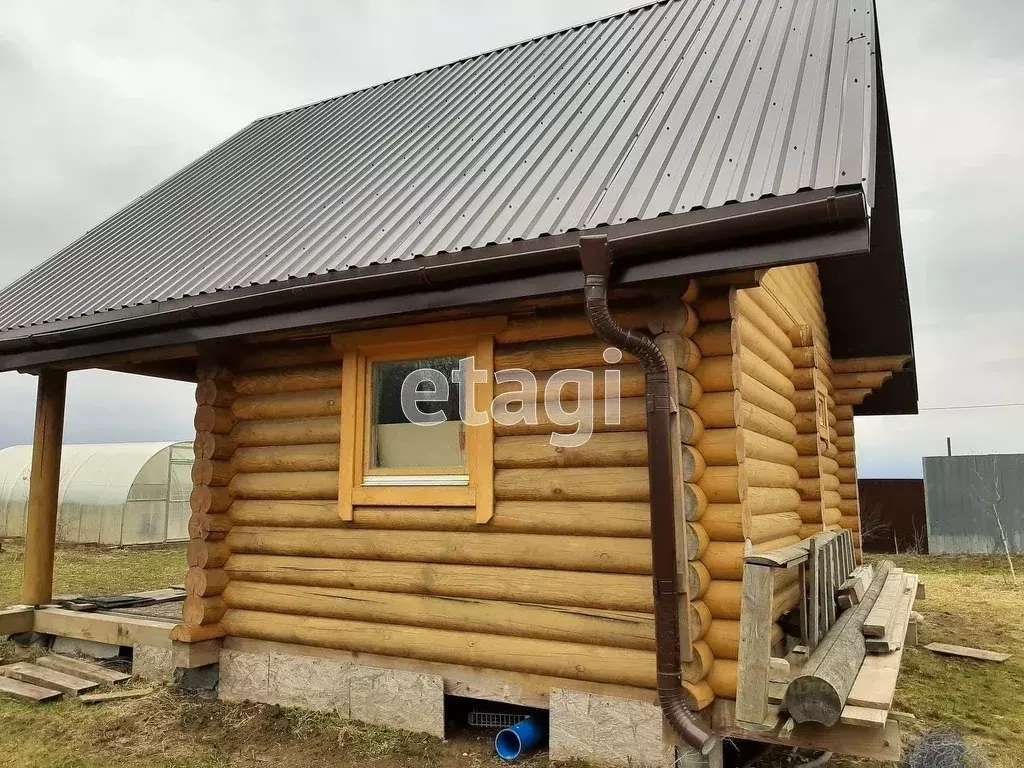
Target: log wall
557	583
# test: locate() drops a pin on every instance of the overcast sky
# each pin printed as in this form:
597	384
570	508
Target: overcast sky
102	100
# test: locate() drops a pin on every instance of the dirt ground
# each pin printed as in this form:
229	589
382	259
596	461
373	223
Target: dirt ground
970	601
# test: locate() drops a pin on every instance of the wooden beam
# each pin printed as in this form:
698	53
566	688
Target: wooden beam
15	620
192	655
103	628
44	487
755	645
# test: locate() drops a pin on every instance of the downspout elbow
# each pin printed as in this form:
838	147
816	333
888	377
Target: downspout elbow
596	261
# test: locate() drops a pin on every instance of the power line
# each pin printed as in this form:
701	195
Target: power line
971	407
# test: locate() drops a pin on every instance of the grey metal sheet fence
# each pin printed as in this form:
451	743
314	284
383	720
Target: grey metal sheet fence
963	496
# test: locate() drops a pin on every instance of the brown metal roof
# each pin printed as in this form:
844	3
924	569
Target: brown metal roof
671	107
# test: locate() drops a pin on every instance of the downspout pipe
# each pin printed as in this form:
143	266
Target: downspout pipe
596	261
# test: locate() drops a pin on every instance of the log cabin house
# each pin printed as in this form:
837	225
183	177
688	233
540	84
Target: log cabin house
726	174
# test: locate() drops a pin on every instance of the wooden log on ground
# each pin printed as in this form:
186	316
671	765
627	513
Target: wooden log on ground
819	693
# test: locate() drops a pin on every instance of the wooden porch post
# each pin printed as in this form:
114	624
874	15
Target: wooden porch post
41	533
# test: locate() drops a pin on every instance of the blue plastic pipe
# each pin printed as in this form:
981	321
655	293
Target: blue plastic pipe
522	738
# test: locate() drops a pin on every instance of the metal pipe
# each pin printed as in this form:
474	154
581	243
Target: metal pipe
596	261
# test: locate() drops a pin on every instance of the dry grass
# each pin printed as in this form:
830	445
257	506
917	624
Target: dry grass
970	601
97	571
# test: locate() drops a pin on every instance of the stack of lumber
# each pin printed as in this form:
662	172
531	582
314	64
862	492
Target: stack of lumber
885	627
52	677
851	591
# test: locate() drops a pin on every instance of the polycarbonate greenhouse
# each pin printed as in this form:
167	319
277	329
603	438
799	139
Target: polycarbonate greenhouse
116	494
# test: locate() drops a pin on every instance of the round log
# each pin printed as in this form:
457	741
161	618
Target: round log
285	485
207	554
765	448
851	396
770	501
725	597
270	382
719	410
768	424
290	432
693	464
819	693
721	447
694	502
699	579
581	352
748	306
696	670
764	347
803	357
616	592
629	416
697	696
697	540
673	316
844	412
767	474
208	527
844	427
290	355
211	472
324	457
846	490
197	611
210	419
567	484
207	499
583	553
722	678
845	474
574	661
762	371
810	511
715	339
563	325
723	638
219	394
713	307
609	449
766	398
831	516
213	446
576	625
724	559
849	522
863	380
683	351
722	484
288	405
718	374
700	619
205	582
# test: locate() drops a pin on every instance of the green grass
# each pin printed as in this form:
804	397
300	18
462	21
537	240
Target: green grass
970	601
96	571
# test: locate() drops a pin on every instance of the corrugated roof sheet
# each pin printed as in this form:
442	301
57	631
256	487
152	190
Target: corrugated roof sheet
662	109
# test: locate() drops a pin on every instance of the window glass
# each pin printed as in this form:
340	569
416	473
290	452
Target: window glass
415	416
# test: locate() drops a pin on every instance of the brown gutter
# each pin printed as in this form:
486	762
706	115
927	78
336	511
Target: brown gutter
596	260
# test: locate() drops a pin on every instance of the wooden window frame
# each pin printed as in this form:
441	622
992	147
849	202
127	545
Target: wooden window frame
360	349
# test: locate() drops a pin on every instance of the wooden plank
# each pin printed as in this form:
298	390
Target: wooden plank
26	691
755	644
863	716
968	653
874	687
100	698
784	557
872	743
777	692
804	605
192	655
896	633
16	620
103	628
778	670
83	669
883	611
47	678
814	628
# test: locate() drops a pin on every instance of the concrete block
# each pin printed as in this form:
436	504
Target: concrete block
244	676
69	646
152	663
310	683
398	699
609	732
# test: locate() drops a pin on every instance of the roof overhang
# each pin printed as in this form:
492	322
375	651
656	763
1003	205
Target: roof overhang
807	226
